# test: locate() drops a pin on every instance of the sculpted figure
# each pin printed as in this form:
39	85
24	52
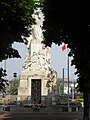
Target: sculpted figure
38	55
36	28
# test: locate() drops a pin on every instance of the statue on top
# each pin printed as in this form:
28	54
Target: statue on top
38	55
36	28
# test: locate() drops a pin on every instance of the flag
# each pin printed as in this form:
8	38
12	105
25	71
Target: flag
64	47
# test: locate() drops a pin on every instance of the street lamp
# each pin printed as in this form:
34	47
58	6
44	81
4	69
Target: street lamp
15	75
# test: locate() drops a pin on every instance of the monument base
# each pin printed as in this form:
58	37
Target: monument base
33	85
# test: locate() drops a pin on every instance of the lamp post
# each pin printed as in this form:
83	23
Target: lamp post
15	75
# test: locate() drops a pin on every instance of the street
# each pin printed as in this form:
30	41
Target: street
42	116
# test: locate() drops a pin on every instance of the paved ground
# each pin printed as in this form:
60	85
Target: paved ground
50	116
17	113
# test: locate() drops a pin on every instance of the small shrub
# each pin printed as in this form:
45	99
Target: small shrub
79	100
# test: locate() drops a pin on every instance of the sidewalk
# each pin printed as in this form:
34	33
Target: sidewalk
42	111
45	111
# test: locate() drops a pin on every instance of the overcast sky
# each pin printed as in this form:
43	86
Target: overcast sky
58	61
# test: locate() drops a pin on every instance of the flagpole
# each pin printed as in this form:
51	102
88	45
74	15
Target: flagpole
63	48
63	82
68	79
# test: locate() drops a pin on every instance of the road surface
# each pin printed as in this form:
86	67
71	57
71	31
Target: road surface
42	116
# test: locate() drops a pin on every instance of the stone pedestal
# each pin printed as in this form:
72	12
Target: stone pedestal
25	84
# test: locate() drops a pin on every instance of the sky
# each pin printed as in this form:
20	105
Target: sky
58	61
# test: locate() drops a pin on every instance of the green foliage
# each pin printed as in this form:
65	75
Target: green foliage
39	3
15	25
3	81
61	99
15	22
1	98
14	87
69	22
79	100
11	102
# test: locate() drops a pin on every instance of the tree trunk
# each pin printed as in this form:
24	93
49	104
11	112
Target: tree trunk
86	106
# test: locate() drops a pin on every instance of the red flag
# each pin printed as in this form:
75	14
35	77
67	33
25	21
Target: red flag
64	47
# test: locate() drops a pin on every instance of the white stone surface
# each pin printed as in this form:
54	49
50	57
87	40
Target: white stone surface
36	64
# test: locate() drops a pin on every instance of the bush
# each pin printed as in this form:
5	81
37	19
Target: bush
6	108
61	99
79	100
75	103
1	98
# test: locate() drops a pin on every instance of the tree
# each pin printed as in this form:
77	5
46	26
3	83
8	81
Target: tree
69	21
15	25
15	22
13	87
3	81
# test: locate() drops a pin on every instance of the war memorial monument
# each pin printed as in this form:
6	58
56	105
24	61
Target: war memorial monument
37	79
